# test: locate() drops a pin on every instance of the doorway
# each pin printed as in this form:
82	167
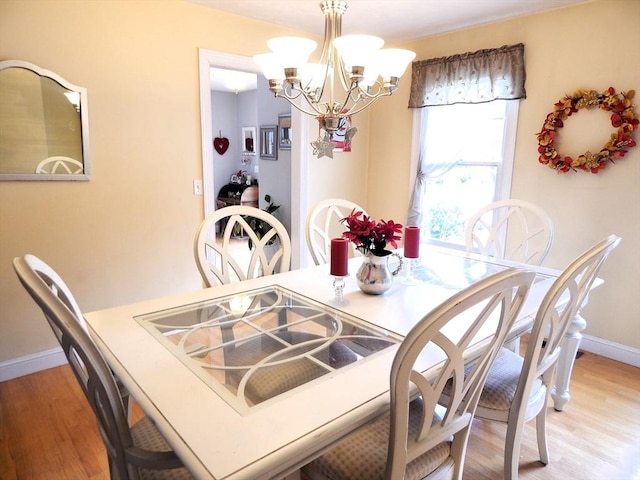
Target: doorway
300	127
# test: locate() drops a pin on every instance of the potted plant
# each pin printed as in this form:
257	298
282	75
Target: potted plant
260	227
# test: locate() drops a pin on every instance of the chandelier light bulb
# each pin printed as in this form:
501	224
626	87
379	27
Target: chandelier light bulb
292	52
392	62
270	65
357	50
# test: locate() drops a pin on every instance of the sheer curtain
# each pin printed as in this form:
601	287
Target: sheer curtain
472	77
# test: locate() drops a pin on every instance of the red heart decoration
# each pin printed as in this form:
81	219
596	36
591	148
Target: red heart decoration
221	144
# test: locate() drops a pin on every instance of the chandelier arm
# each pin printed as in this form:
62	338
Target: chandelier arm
372	99
291	97
311	113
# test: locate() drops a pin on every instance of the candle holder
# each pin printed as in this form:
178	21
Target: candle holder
411	252
338	290
409	277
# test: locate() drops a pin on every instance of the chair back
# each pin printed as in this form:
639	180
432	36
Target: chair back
561	303
323	224
218	264
487	308
91	370
511	229
60	165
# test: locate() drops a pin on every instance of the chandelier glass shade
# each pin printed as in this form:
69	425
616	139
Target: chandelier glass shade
364	71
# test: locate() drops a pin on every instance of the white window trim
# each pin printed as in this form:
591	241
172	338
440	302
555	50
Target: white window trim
504	174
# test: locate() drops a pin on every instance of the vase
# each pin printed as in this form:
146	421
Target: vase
374	276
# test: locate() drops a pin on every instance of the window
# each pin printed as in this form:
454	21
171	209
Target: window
477	141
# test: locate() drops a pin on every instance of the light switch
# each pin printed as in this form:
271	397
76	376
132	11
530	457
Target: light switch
197	187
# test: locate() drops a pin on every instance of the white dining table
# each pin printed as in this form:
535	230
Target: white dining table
161	350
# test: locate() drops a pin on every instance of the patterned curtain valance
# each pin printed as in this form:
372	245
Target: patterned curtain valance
473	77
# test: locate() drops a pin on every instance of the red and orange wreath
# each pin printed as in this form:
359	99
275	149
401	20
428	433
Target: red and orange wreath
623	117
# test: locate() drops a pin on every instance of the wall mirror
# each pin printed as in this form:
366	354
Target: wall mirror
268	148
44	125
284	131
248	140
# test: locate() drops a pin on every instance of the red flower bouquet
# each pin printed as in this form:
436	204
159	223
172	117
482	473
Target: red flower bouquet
369	235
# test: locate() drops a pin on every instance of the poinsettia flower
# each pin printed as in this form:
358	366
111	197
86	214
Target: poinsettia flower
371	236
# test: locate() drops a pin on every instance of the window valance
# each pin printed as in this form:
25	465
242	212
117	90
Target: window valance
472	77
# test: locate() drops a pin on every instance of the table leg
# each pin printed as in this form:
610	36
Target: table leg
570	344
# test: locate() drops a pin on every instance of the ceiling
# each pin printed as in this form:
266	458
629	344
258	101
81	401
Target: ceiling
393	20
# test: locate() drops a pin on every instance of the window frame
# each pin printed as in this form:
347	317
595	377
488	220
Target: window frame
504	169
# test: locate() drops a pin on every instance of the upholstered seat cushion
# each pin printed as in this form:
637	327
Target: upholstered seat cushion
500	388
363	455
145	435
269	381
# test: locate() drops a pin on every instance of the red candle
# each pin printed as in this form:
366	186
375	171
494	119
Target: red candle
412	242
339	257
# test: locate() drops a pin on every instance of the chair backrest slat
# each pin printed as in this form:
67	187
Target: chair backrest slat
559	306
511	229
87	363
270	244
323	224
489	306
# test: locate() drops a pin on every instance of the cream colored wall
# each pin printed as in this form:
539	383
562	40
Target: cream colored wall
345	175
127	234
593	46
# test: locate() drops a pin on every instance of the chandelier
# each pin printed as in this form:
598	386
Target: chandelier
365	71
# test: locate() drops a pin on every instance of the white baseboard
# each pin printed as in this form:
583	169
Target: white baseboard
35	362
614	351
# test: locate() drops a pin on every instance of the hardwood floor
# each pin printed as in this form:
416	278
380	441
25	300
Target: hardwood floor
47	430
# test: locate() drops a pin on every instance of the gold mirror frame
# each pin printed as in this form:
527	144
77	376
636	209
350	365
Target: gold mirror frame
44	125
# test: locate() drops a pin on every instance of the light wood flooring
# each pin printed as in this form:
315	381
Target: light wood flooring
47	430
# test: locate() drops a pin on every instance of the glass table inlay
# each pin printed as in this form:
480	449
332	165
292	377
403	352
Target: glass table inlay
255	345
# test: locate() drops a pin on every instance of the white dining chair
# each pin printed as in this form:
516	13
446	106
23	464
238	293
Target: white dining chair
517	389
59	288
511	229
134	452
218	262
323	224
59	164
419	439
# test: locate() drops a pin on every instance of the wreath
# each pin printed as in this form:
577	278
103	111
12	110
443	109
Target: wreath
623	117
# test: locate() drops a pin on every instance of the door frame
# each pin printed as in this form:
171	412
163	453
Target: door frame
300	148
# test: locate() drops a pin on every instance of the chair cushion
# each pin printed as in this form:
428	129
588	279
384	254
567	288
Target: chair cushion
363	455
145	435
269	381
500	388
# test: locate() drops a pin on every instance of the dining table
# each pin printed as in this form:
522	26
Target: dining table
250	380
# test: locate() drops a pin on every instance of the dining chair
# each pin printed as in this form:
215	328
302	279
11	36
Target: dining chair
218	262
417	438
217	265
60	288
517	388
323	224
60	165
511	229
134	452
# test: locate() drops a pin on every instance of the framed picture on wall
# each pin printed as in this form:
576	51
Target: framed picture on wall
248	140
284	131
268	145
